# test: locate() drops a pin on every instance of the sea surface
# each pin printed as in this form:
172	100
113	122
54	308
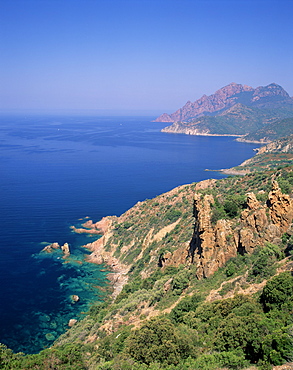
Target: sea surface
56	170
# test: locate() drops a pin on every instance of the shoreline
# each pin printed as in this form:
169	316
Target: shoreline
239	138
117	274
200	134
228	171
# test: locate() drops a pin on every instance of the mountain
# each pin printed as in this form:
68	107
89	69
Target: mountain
271	96
234	110
236	120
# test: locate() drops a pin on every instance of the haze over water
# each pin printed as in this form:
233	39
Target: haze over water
56	170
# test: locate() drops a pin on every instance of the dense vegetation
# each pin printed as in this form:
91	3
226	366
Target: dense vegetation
272	131
276	154
165	318
196	334
254	124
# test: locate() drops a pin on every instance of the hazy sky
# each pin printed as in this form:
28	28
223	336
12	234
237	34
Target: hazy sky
139	54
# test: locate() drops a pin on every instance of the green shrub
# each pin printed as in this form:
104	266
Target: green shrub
173	215
186	305
278	291
156	341
264	262
180	282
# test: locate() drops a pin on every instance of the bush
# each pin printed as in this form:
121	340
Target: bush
231	209
173	215
180	282
156	341
264	262
278	291
186	305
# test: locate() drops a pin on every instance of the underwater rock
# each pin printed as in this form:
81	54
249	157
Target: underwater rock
50	336
74	298
44	318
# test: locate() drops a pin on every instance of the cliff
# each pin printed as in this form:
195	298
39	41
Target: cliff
203	279
213	245
195	260
224	226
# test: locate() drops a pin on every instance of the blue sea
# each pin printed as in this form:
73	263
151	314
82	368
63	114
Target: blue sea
56	170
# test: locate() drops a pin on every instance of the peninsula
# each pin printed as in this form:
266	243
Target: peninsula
262	114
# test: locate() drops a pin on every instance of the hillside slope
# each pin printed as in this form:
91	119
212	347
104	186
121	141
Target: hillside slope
202	277
271	156
271	131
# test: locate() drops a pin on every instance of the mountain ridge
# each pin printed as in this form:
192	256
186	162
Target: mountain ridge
226	97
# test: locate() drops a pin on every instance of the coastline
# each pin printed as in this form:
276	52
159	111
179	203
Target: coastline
118	272
229	171
186	131
201	134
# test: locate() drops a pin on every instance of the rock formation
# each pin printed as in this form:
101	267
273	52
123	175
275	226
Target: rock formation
213	245
210	247
72	322
74	298
65	250
55	246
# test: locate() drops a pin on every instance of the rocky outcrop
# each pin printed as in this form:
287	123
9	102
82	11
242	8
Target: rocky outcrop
65	249
225	98
280	208
118	275
89	227
74	298
55	246
72	322
213	245
284	145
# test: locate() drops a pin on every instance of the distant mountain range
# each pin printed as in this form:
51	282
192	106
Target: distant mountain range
233	110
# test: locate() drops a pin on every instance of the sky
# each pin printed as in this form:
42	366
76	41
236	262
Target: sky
139	55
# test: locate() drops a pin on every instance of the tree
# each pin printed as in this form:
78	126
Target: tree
278	291
155	341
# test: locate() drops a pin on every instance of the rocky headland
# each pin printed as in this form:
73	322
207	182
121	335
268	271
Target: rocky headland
258	115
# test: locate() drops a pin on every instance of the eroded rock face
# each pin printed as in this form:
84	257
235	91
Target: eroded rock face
280	208
254	221
213	245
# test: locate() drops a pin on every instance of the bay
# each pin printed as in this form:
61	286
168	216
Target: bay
55	170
